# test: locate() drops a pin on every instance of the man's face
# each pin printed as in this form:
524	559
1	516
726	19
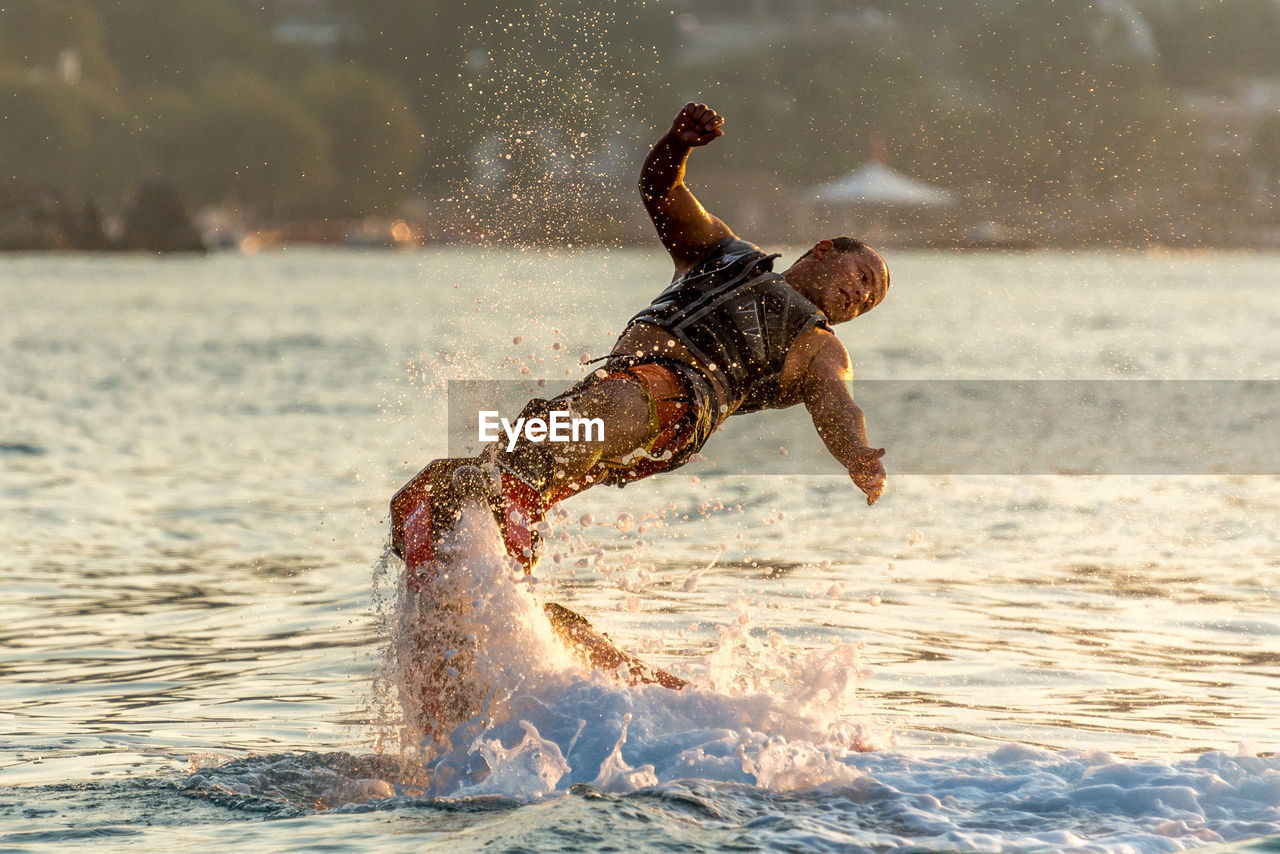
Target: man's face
852	283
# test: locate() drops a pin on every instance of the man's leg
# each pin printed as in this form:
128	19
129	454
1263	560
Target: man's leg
637	406
535	475
624	407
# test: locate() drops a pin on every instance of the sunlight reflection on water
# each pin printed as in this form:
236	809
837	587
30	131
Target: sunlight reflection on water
197	456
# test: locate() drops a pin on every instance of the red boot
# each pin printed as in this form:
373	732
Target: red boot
428	506
522	510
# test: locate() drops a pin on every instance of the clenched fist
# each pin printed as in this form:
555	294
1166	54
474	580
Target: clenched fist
696	124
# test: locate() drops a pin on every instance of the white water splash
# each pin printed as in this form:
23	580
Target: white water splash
499	707
616	775
471	638
531	769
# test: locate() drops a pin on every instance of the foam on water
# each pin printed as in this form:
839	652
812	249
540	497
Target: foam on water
496	706
1016	798
766	743
766	749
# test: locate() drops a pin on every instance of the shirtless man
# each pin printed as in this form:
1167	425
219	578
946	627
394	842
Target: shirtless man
727	337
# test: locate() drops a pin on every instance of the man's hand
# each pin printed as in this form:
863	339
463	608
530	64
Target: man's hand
825	389
867	472
684	226
696	124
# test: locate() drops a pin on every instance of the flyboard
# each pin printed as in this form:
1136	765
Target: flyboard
429	506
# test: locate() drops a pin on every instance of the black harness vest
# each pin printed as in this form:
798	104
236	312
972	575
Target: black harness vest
739	318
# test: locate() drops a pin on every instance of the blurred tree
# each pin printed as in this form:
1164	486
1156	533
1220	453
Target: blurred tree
181	43
1267	148
533	133
159	132
804	109
375	138
57	38
419	47
1075	117
157	221
247	143
50	133
530	117
411	41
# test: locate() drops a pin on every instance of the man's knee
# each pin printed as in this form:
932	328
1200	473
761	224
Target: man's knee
622	403
615	397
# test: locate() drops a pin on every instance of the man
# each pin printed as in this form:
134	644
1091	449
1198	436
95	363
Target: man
729	336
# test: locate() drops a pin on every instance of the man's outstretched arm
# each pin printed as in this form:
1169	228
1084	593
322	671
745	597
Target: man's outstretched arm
684	226
838	419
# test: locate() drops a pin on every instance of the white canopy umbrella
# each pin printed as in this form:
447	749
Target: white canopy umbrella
875	183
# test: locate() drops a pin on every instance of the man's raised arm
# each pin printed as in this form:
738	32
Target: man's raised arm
684	226
838	419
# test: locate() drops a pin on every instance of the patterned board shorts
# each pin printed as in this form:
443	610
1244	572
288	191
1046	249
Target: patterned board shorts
682	416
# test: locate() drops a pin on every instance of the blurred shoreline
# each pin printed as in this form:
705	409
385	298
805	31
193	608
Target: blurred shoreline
993	124
84	230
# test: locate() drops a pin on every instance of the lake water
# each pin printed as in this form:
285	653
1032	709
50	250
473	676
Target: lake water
197	456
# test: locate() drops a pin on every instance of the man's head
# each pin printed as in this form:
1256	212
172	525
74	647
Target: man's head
843	277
